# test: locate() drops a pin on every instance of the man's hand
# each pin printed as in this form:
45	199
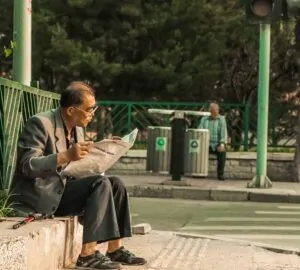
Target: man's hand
221	148
78	151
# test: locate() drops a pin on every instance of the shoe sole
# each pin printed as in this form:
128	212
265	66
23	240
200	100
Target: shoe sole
136	264
93	268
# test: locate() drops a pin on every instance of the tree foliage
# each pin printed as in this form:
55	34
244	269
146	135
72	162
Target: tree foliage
174	50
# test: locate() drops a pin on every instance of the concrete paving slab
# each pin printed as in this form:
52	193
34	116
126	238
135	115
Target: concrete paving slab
169	251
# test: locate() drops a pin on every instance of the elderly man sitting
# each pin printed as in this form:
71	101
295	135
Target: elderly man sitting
49	141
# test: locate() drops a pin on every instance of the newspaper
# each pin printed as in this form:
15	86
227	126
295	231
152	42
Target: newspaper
103	155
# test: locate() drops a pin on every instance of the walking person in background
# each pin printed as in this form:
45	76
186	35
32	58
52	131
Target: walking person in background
216	124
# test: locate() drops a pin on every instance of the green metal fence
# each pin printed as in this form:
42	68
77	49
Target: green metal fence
241	121
17	104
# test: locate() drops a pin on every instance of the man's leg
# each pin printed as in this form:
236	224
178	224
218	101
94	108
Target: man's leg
122	212
221	159
94	196
115	251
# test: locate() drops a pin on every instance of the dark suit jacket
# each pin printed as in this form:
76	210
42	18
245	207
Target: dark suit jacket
37	185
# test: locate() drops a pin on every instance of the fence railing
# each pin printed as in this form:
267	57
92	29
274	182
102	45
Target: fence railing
17	104
123	116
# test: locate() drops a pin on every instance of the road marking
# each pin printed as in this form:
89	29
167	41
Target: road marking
240	228
260	236
289	207
277	213
241	219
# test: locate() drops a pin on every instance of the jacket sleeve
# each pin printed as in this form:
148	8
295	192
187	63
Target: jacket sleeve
201	124
31	146
223	137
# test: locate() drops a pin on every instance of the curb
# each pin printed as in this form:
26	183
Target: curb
211	194
273	248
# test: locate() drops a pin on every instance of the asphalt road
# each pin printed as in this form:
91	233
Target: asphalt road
269	223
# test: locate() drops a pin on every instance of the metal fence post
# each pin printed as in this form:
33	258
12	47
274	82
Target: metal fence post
129	119
2	134
273	125
246	126
177	146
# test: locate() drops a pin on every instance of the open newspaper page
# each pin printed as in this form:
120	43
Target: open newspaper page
103	155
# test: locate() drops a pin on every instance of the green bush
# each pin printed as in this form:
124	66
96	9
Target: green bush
6	209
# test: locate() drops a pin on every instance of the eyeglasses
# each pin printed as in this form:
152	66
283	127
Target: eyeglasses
91	111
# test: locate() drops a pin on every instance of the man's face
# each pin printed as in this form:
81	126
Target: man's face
214	110
84	113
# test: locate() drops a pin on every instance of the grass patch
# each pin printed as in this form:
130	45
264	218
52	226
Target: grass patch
6	209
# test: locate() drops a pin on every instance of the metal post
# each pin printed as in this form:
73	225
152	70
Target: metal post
177	146
246	126
261	179
22	39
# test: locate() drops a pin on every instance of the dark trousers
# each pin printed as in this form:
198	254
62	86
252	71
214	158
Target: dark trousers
104	203
221	159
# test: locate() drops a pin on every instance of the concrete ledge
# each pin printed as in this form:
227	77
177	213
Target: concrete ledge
44	243
192	193
229	195
150	192
239	165
136	153
142	228
267	197
176	183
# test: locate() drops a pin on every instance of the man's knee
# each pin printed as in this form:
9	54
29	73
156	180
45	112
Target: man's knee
101	183
117	184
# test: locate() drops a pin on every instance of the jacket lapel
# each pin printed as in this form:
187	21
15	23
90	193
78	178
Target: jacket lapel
60	136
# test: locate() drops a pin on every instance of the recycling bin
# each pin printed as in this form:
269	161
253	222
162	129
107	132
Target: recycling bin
158	149
196	152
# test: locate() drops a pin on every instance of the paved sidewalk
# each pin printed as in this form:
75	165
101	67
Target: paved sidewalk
209	189
167	251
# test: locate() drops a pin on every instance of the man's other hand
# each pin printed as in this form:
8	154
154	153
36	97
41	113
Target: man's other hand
79	150
221	148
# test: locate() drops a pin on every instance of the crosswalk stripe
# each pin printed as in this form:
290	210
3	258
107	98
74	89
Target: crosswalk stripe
237	228
242	219
260	236
289	207
277	212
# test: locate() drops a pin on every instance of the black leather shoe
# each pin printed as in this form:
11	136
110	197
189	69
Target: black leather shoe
125	257
221	178
96	261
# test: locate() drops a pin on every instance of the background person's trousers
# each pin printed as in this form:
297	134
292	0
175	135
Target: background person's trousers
104	203
221	159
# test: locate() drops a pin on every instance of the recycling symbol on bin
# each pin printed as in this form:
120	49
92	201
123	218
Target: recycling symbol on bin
161	142
194	144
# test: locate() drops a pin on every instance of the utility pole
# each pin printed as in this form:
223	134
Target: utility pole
22	40
261	179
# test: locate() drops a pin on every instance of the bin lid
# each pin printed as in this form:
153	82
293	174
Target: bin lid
158	127
198	130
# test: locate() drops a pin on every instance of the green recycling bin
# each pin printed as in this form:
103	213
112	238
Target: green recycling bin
158	149
196	152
